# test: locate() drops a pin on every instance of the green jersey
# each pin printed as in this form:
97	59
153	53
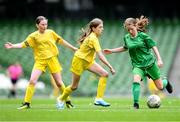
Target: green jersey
140	49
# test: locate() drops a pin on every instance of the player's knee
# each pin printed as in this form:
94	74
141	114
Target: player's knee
137	78
105	74
58	85
160	87
31	82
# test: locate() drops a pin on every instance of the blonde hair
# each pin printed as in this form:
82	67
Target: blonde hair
140	23
88	29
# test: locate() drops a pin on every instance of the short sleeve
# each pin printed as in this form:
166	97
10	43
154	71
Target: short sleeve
148	40
57	38
29	42
125	44
96	45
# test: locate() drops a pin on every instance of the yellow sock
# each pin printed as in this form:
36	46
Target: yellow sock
66	93
62	88
101	87
29	93
55	92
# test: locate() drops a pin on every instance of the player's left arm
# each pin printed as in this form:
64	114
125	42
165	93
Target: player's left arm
98	50
68	45
105	61
158	56
60	40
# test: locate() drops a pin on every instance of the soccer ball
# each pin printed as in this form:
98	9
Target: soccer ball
153	101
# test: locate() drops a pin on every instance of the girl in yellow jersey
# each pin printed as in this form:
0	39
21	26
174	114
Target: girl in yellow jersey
84	59
43	42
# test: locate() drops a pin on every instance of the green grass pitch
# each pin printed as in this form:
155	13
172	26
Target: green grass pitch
120	110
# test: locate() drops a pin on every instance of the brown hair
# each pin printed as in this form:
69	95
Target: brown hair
88	29
140	23
39	19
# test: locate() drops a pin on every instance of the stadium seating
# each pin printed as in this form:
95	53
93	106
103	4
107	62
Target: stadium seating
165	32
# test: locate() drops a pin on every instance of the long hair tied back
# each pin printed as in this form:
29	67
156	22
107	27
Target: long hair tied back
141	23
88	29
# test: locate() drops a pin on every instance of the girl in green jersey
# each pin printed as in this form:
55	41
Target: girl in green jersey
144	63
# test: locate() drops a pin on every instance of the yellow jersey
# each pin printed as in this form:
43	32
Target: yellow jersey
43	45
88	48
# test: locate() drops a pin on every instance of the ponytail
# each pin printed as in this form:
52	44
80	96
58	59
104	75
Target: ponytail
87	31
141	23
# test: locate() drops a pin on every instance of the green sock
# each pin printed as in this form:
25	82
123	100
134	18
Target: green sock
136	91
164	81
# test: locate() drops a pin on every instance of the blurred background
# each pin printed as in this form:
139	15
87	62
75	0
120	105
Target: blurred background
67	17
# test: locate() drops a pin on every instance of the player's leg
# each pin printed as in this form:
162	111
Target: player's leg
55	92
55	69
136	90
138	75
58	79
77	69
30	88
152	87
97	69
38	68
154	73
68	90
161	84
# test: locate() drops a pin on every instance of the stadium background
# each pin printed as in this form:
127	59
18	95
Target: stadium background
67	17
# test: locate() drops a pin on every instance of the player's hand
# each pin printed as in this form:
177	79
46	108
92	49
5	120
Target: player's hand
160	63
8	45
107	51
112	71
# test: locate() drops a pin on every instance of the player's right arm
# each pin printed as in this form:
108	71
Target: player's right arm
9	45
114	50
28	42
